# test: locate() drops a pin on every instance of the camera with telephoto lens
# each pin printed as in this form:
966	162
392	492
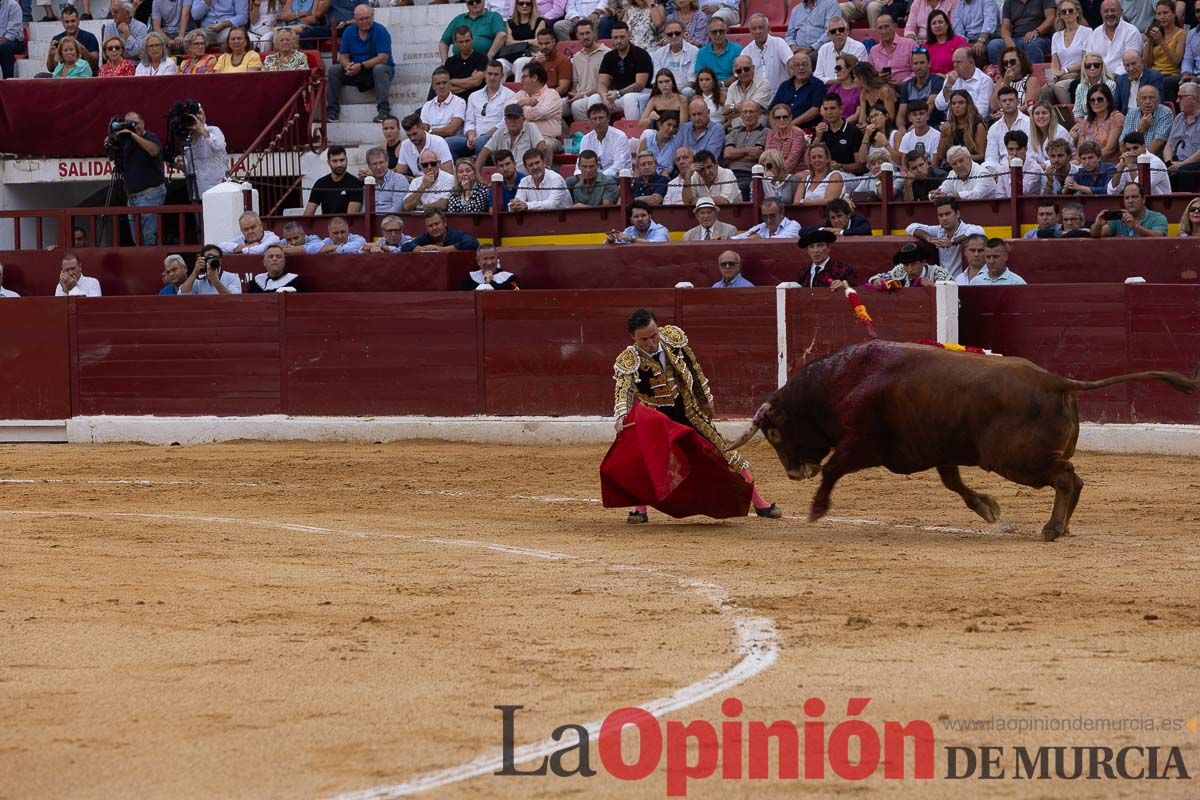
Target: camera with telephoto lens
182	118
114	145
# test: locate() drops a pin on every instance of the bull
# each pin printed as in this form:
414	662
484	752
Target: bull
910	408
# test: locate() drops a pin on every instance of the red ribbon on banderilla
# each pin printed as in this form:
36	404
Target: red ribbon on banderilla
860	311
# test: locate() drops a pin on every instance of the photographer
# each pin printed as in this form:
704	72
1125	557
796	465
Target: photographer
207	277
141	156
209	156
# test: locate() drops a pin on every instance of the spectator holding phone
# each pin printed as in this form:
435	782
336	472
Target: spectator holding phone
1135	221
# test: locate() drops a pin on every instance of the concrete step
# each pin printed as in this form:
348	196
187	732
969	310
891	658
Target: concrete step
353	134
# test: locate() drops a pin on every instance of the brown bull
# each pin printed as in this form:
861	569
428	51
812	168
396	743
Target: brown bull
912	407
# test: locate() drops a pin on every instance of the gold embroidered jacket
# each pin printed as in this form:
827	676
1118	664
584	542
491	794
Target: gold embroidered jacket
683	377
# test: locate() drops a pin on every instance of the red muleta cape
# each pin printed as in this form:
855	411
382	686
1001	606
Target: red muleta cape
659	463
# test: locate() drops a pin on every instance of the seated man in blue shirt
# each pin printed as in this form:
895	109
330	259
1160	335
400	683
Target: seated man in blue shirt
803	93
649	185
730	264
365	60
643	228
1093	175
510	176
997	272
438	238
700	132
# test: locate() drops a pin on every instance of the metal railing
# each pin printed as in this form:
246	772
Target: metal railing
272	162
101	226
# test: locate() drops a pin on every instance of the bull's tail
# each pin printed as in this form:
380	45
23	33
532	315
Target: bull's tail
1173	379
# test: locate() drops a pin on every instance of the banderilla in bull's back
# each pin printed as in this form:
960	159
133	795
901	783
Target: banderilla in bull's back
910	408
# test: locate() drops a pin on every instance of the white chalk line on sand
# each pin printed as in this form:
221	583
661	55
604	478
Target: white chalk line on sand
536	498
757	642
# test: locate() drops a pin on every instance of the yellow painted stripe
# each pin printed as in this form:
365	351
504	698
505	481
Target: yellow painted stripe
992	231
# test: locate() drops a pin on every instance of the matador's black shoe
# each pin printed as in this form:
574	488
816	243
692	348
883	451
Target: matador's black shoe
637	517
772	511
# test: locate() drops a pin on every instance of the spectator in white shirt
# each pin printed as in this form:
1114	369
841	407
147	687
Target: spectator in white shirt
607	142
919	131
678	56
774	224
391	188
968	180
433	189
339	240
708	179
1016	144
485	107
683	166
1133	144
1112	39
969	78
419	138
5	292
948	235
728	10
576	10
747	85
72	281
770	54
207	276
254	239
210	159
540	188
446	113
1011	119
839	43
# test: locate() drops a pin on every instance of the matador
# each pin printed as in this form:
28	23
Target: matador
660	370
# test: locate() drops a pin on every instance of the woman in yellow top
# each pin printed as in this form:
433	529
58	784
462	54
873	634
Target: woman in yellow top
238	57
1164	45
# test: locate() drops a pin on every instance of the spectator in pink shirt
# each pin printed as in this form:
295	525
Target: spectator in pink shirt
892	57
918	16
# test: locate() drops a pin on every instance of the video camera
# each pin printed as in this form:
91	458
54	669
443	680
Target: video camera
114	147
182	118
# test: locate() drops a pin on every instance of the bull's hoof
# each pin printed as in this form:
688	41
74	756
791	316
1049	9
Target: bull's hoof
988	508
1049	534
817	512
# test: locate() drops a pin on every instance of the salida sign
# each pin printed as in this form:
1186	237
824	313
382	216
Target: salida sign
85	168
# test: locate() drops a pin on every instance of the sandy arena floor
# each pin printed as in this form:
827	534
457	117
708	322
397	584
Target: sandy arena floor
279	621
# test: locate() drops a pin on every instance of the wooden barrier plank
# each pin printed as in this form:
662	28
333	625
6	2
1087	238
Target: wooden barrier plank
355	354
733	333
34	359
224	358
553	352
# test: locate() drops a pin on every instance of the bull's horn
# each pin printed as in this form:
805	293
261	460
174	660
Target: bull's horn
745	437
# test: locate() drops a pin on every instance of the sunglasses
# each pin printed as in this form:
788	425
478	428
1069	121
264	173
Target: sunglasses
728	263
743	70
717	32
1092	66
673	34
837	30
1010	62
783	117
839	68
1066	11
393	230
114	47
922	50
427	164
1097	99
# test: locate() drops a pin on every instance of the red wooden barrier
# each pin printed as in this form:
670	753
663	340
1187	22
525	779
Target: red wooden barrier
545	353
1092	332
140	355
34	359
361	354
820	321
553	352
